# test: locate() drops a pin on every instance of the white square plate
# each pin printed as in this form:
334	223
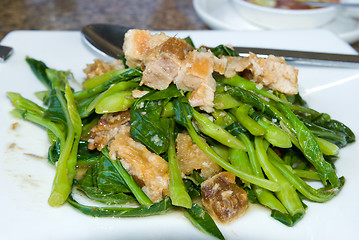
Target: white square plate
26	176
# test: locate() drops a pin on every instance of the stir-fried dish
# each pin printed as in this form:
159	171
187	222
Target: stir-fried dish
172	126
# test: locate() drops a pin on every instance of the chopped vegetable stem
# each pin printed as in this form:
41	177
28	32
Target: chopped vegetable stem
216	132
177	190
287	195
97	80
241	113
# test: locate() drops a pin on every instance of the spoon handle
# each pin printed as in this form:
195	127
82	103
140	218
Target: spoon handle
329	4
305	58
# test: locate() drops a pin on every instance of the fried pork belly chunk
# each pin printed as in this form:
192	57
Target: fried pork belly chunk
235	65
107	128
163	63
222	198
100	67
191	157
272	72
196	76
137	43
175	61
149	170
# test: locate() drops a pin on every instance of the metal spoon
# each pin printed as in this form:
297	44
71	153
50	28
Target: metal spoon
109	39
106	37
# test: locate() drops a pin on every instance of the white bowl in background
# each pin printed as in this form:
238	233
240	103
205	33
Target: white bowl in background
278	18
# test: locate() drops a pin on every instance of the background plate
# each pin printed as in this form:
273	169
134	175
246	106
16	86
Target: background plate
221	15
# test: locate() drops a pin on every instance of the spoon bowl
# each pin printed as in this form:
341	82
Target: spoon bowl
106	37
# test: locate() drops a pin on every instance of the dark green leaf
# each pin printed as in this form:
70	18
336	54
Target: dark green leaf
323	120
338	138
236	128
106	198
196	178
108	179
104	176
183	111
54	112
82	106
87	124
296	99
168	93
152	132
247	97
311	148
203	221
192	189
147	126
251	194
286	219
336	126
222	50
85	156
189	41
141	197
39	69
156	209
102	183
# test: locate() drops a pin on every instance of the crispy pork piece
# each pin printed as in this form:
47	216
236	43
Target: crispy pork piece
196	68
202	97
196	75
137	43
191	157
220	64
162	63
222	198
235	65
148	169
274	73
107	128
100	67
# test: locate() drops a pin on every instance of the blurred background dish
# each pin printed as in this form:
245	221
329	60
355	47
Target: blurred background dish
297	4
220	14
274	14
